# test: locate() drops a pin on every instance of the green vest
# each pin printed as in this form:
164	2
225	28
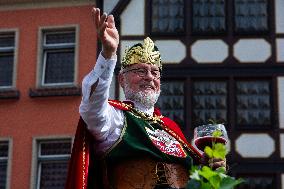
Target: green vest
144	135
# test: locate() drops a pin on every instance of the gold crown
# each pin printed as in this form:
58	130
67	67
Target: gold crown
146	53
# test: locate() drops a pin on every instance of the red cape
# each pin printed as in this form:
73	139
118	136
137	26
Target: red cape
84	173
77	176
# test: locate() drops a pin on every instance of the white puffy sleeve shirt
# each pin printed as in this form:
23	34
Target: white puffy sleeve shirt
103	120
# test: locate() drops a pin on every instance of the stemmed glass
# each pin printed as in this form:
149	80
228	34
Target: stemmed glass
203	135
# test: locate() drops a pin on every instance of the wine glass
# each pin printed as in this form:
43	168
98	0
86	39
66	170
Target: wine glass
203	135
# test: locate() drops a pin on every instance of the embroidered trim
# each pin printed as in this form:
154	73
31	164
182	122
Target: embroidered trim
158	119
197	156
119	104
165	142
137	113
84	160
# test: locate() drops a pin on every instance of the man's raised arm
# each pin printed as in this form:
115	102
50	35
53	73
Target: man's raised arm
94	108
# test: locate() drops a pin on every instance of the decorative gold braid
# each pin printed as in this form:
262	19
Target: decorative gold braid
145	53
139	114
146	117
160	174
84	160
124	105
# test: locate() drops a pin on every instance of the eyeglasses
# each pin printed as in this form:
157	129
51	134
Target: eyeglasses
142	72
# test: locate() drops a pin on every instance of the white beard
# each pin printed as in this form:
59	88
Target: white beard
146	99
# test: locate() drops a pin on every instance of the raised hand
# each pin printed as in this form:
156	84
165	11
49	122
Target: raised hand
107	32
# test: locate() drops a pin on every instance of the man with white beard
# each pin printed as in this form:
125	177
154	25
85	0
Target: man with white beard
134	145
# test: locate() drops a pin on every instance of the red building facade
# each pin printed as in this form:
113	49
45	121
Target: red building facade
45	50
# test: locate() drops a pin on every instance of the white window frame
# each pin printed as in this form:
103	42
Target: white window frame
38	159
9	160
54	47
14	32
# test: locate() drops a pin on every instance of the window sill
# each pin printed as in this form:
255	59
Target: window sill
51	92
9	94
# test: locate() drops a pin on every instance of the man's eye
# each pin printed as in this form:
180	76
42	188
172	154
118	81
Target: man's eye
141	71
155	73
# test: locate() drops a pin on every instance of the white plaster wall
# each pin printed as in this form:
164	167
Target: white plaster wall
282	145
280	50
209	51
282	180
280	84
172	51
109	5
255	145
121	94
133	18
279	16
252	50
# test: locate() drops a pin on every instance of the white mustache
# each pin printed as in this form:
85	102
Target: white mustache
152	86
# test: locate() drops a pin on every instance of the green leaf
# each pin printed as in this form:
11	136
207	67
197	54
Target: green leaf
207	172
195	175
208	151
215	181
205	185
206	178
217	133
219	151
221	170
194	168
230	183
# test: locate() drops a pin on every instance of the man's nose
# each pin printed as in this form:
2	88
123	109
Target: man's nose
149	75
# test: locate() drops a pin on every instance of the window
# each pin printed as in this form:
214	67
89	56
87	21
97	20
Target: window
57	64
58	56
172	101
209	17
167	16
7	54
251	16
253	103
4	151
53	157
209	102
